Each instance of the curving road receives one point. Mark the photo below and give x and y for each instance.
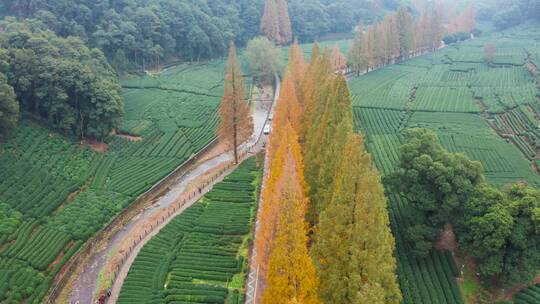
(84, 289)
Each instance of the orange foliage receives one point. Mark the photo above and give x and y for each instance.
(297, 66)
(236, 123)
(287, 146)
(339, 62)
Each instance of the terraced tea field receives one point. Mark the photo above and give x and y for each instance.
(201, 255)
(530, 295)
(488, 112)
(56, 194)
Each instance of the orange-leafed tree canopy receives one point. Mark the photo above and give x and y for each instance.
(236, 124)
(290, 276)
(339, 62)
(297, 66)
(287, 145)
(275, 22)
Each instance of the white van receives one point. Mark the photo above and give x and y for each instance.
(267, 129)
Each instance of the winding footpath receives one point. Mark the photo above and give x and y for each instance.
(85, 288)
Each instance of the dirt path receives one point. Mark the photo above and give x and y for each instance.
(86, 286)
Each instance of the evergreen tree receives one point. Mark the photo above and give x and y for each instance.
(236, 124)
(9, 107)
(434, 202)
(353, 248)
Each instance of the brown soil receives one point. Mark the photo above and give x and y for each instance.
(515, 290)
(218, 149)
(61, 255)
(480, 103)
(130, 137)
(447, 239)
(97, 146)
(532, 69)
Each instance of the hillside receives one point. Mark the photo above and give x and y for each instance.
(397, 161)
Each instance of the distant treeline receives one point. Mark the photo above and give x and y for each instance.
(144, 33)
(508, 13)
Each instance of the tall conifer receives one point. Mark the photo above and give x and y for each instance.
(291, 275)
(353, 248)
(284, 22)
(270, 22)
(236, 124)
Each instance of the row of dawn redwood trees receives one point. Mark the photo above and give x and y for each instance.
(396, 37)
(275, 22)
(324, 234)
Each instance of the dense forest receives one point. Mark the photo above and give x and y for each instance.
(145, 33)
(58, 79)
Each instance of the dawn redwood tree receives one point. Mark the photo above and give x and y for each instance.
(339, 62)
(318, 77)
(406, 33)
(325, 141)
(297, 68)
(356, 56)
(284, 22)
(275, 22)
(236, 124)
(291, 276)
(353, 245)
(289, 109)
(283, 143)
(270, 21)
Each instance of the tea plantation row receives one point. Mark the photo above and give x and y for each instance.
(55, 194)
(490, 112)
(199, 257)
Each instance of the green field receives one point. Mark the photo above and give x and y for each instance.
(55, 193)
(488, 112)
(200, 256)
(530, 295)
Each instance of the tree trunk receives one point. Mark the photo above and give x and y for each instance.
(82, 124)
(235, 140)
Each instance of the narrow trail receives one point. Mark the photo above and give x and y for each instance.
(85, 288)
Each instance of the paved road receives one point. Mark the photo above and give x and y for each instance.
(253, 286)
(85, 287)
